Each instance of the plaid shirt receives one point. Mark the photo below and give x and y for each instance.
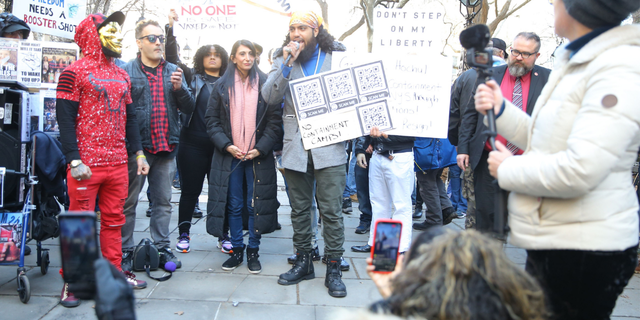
(159, 118)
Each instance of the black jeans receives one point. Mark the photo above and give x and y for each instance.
(194, 161)
(582, 284)
(362, 190)
(485, 194)
(434, 195)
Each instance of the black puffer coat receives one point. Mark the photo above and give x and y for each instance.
(268, 133)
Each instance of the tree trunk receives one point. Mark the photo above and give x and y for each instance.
(324, 8)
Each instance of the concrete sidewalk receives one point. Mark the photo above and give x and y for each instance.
(202, 290)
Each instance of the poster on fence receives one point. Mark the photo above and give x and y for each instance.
(30, 63)
(49, 118)
(56, 56)
(8, 59)
(419, 91)
(55, 17)
(341, 104)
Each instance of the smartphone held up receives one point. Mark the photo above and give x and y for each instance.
(386, 245)
(79, 246)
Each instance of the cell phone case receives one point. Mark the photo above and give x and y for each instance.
(375, 233)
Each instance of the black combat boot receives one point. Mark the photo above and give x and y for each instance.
(333, 280)
(302, 270)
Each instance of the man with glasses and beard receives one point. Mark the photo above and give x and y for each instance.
(310, 47)
(159, 90)
(521, 81)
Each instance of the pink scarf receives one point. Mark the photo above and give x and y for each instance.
(243, 109)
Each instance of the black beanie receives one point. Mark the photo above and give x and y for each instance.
(601, 13)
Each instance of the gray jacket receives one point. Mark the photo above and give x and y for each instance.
(294, 157)
(174, 100)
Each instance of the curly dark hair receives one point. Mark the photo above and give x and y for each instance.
(465, 275)
(324, 39)
(204, 52)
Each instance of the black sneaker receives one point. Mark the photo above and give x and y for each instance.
(252, 260)
(424, 225)
(363, 227)
(235, 259)
(150, 209)
(166, 255)
(127, 260)
(197, 213)
(347, 206)
(417, 213)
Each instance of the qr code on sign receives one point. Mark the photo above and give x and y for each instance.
(340, 85)
(374, 115)
(370, 78)
(308, 94)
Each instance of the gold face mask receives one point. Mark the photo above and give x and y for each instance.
(111, 38)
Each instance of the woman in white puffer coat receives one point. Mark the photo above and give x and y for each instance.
(572, 203)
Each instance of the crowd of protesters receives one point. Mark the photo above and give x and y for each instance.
(566, 141)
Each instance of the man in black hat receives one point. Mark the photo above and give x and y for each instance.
(12, 27)
(499, 48)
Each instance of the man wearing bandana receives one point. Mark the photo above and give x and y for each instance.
(306, 51)
(96, 121)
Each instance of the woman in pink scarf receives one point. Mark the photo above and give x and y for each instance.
(244, 130)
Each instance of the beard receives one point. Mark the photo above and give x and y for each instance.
(308, 51)
(517, 69)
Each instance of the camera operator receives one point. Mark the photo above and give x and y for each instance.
(521, 79)
(572, 203)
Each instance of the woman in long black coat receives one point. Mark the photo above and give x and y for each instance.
(243, 152)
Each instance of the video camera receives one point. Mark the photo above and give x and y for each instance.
(475, 40)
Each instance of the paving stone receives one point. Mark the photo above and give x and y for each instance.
(41, 285)
(325, 313)
(360, 293)
(261, 289)
(85, 310)
(265, 311)
(634, 283)
(628, 304)
(198, 286)
(516, 255)
(13, 308)
(176, 309)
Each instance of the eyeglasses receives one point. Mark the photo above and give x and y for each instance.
(152, 38)
(525, 55)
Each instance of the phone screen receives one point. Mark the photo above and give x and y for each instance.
(386, 243)
(78, 246)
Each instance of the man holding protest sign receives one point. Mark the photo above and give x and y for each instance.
(307, 51)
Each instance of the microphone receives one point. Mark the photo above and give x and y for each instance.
(287, 49)
(476, 36)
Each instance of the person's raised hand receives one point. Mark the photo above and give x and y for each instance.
(176, 79)
(173, 16)
(488, 95)
(383, 280)
(376, 133)
(496, 158)
(293, 48)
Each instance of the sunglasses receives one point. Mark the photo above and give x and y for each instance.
(152, 38)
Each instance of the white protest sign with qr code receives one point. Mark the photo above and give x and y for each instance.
(419, 91)
(341, 104)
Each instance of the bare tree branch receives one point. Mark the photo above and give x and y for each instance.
(402, 4)
(324, 8)
(352, 30)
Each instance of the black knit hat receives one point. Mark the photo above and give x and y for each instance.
(601, 13)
